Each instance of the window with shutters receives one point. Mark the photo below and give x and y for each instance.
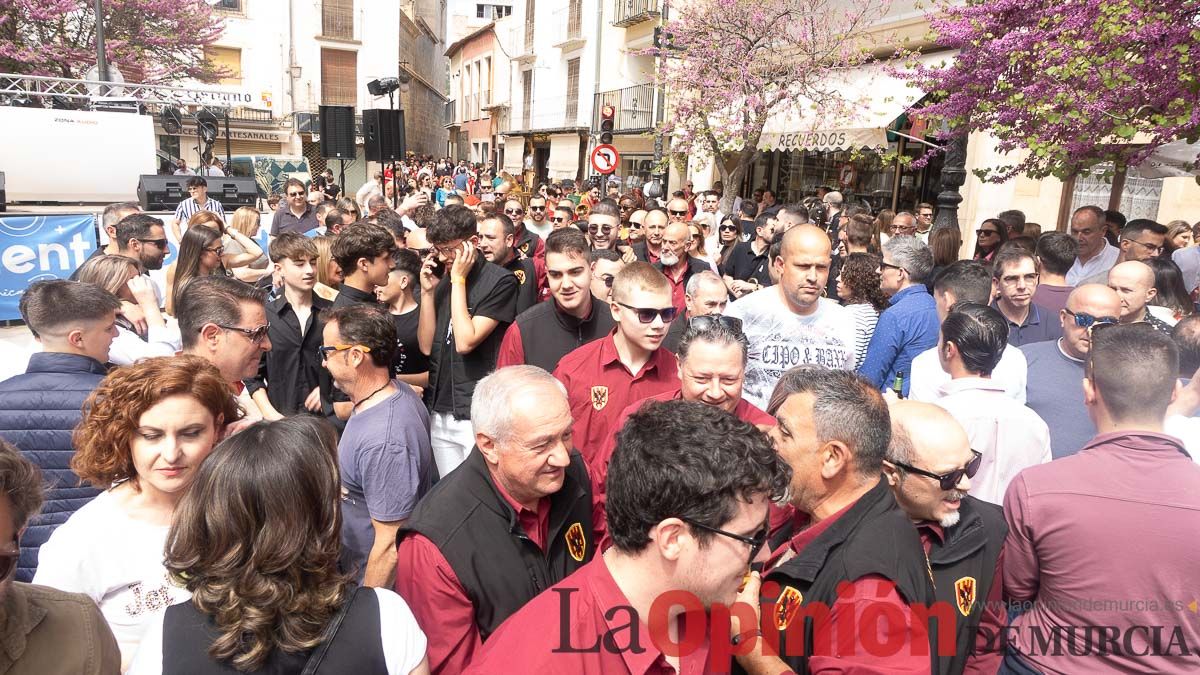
(529, 13)
(228, 59)
(572, 92)
(575, 19)
(526, 98)
(339, 77)
(337, 19)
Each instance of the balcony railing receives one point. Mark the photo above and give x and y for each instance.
(545, 112)
(634, 105)
(337, 19)
(567, 28)
(632, 12)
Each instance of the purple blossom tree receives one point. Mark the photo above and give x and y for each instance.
(156, 41)
(1074, 84)
(731, 63)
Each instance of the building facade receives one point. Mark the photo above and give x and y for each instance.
(479, 92)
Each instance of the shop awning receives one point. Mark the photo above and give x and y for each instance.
(1172, 160)
(564, 157)
(514, 154)
(876, 97)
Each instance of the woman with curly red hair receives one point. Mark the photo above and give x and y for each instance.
(145, 431)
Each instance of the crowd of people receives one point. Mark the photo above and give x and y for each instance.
(469, 428)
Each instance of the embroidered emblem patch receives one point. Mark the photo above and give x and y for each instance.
(964, 594)
(599, 397)
(786, 607)
(520, 275)
(576, 542)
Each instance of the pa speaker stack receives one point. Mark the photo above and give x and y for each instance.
(337, 131)
(383, 135)
(163, 193)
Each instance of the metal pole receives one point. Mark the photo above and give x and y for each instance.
(954, 175)
(228, 144)
(101, 58)
(395, 177)
(660, 104)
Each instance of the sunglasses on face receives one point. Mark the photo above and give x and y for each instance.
(888, 266)
(254, 335)
(160, 243)
(560, 219)
(635, 227)
(706, 321)
(607, 279)
(755, 541)
(594, 228)
(537, 208)
(295, 194)
(324, 351)
(677, 213)
(513, 212)
(728, 228)
(1085, 320)
(948, 481)
(647, 315)
(984, 233)
(218, 250)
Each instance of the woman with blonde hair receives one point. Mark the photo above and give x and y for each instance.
(883, 226)
(256, 542)
(695, 247)
(1179, 235)
(329, 274)
(123, 278)
(246, 221)
(145, 432)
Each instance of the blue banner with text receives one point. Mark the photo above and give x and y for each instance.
(33, 248)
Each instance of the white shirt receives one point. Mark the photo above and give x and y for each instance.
(1100, 264)
(543, 230)
(928, 377)
(1186, 429)
(117, 561)
(1188, 260)
(1010, 436)
(403, 642)
(781, 339)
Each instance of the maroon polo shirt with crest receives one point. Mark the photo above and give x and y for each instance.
(600, 387)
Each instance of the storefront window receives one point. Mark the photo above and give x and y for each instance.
(636, 170)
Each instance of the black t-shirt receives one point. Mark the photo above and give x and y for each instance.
(408, 359)
(744, 264)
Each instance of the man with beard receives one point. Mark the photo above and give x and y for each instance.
(605, 376)
(497, 235)
(929, 465)
(675, 263)
(682, 522)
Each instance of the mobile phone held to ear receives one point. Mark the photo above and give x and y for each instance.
(435, 266)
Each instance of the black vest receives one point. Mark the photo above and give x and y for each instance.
(548, 334)
(873, 537)
(964, 567)
(357, 648)
(477, 531)
(526, 274)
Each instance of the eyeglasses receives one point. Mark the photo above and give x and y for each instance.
(755, 541)
(948, 481)
(1012, 279)
(324, 351)
(295, 194)
(707, 321)
(447, 249)
(1085, 320)
(983, 233)
(646, 315)
(254, 335)
(514, 212)
(161, 243)
(608, 280)
(604, 229)
(888, 265)
(635, 226)
(1152, 248)
(218, 250)
(677, 213)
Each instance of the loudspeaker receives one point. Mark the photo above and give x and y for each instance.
(163, 193)
(337, 132)
(383, 135)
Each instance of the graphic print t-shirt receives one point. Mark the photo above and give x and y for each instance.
(781, 340)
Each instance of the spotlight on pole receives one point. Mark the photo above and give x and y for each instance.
(383, 86)
(171, 120)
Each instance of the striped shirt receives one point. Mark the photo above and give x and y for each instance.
(189, 207)
(865, 318)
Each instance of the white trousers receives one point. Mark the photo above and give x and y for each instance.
(451, 441)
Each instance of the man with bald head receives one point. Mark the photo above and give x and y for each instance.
(929, 466)
(653, 224)
(678, 210)
(675, 263)
(790, 323)
(1133, 282)
(1096, 256)
(1053, 387)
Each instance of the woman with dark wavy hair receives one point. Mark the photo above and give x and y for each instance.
(858, 289)
(256, 542)
(146, 431)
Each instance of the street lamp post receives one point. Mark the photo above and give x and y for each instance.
(954, 175)
(101, 59)
(658, 184)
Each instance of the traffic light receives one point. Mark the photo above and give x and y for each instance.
(607, 112)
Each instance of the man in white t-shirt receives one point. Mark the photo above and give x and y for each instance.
(790, 324)
(1096, 256)
(964, 281)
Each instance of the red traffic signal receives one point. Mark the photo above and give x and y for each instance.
(607, 113)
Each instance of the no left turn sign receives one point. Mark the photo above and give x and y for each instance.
(605, 159)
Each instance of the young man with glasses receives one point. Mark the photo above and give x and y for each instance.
(603, 377)
(1014, 282)
(1010, 435)
(527, 242)
(1056, 367)
(294, 214)
(466, 305)
(224, 321)
(691, 488)
(605, 265)
(930, 466)
(564, 215)
(858, 551)
(571, 318)
(384, 455)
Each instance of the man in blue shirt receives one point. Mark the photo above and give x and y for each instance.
(910, 325)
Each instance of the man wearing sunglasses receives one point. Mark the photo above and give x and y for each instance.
(1010, 435)
(691, 488)
(858, 551)
(1115, 523)
(294, 214)
(58, 632)
(529, 244)
(570, 319)
(538, 220)
(564, 215)
(930, 466)
(603, 377)
(1056, 367)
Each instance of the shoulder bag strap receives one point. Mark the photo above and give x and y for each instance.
(318, 655)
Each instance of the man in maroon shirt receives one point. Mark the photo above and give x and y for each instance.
(686, 527)
(859, 552)
(1102, 544)
(514, 518)
(605, 376)
(676, 264)
(963, 536)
